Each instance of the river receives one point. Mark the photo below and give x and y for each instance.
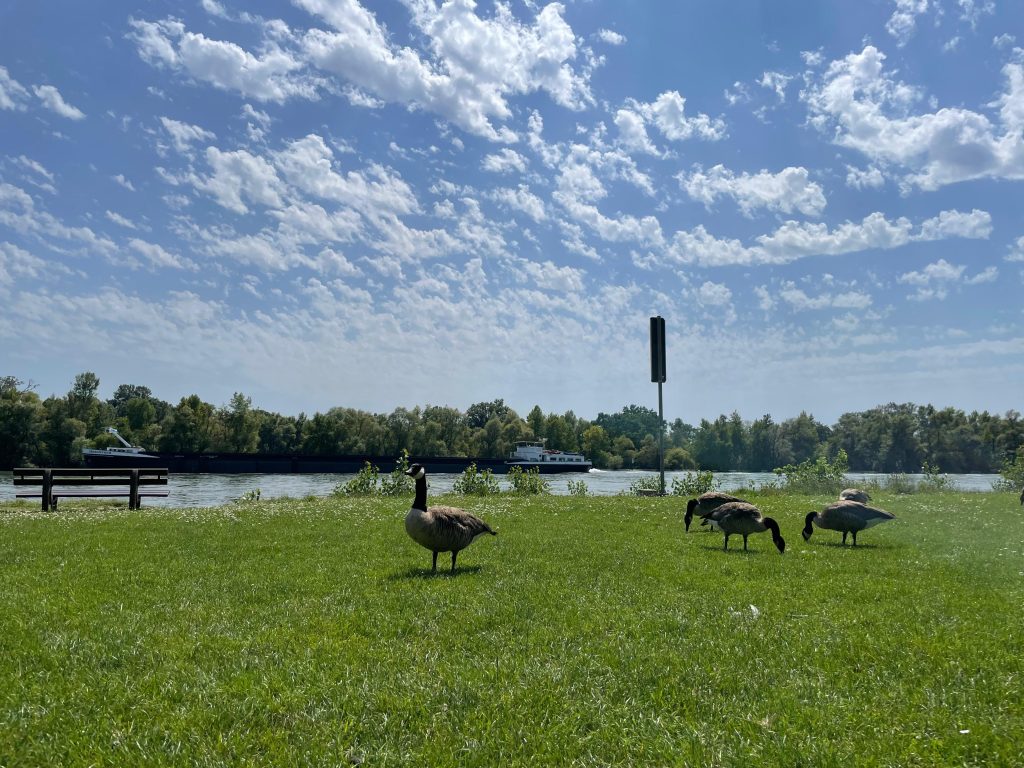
(210, 490)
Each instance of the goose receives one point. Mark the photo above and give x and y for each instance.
(846, 516)
(855, 494)
(440, 529)
(745, 519)
(705, 504)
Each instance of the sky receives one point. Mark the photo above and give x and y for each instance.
(374, 205)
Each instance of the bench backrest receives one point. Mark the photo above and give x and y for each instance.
(79, 476)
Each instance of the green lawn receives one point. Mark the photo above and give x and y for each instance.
(589, 632)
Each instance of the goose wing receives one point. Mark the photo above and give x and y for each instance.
(855, 494)
(854, 514)
(459, 521)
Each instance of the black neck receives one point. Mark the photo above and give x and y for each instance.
(420, 502)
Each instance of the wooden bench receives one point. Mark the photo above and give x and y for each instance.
(51, 484)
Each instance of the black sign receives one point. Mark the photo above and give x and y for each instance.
(658, 349)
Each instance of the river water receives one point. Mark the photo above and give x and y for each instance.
(210, 490)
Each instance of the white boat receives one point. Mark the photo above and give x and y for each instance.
(532, 453)
(124, 455)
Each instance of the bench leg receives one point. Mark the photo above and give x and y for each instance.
(47, 489)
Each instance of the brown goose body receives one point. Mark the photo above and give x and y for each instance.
(855, 494)
(845, 516)
(440, 529)
(744, 519)
(705, 504)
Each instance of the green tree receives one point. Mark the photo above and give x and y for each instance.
(21, 422)
(241, 425)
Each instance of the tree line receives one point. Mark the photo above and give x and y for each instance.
(888, 438)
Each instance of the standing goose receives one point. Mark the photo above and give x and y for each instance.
(705, 504)
(855, 494)
(846, 516)
(745, 519)
(440, 529)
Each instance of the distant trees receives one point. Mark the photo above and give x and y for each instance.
(887, 438)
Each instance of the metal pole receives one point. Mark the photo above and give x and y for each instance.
(661, 440)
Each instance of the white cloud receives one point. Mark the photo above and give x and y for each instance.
(1003, 41)
(521, 199)
(157, 256)
(787, 191)
(13, 94)
(1016, 250)
(777, 82)
(53, 101)
(865, 178)
(237, 175)
(275, 75)
(974, 9)
(474, 64)
(668, 114)
(903, 20)
(796, 240)
(122, 181)
(936, 279)
(120, 220)
(800, 301)
(183, 134)
(611, 37)
(632, 133)
(505, 161)
(868, 111)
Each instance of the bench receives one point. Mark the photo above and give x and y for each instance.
(51, 484)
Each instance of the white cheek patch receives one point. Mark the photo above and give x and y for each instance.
(421, 474)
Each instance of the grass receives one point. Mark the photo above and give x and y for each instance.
(591, 631)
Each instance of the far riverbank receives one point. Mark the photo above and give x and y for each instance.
(210, 490)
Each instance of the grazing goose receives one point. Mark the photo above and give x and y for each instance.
(440, 529)
(846, 516)
(705, 504)
(855, 494)
(745, 519)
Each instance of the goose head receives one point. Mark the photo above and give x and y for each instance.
(416, 472)
(690, 506)
(773, 526)
(808, 528)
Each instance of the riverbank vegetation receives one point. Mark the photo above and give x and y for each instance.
(904, 437)
(591, 631)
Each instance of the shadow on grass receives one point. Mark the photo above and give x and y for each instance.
(733, 550)
(426, 573)
(840, 545)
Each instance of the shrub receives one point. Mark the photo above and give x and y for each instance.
(363, 484)
(819, 476)
(1012, 473)
(577, 488)
(398, 483)
(898, 482)
(645, 486)
(694, 483)
(473, 482)
(934, 480)
(527, 482)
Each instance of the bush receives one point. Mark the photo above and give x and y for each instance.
(577, 488)
(1012, 474)
(934, 480)
(398, 483)
(694, 483)
(363, 484)
(645, 486)
(819, 476)
(473, 482)
(898, 482)
(528, 482)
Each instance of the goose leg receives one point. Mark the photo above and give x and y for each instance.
(855, 538)
(454, 555)
(726, 547)
(844, 537)
(744, 542)
(433, 568)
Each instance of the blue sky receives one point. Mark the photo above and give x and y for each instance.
(322, 202)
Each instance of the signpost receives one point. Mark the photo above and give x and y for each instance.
(658, 375)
